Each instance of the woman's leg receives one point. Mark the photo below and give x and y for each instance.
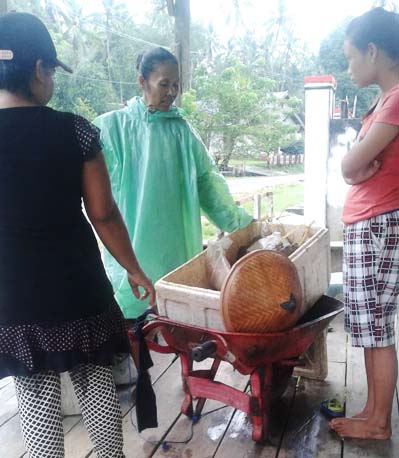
(385, 369)
(39, 401)
(378, 424)
(372, 278)
(95, 389)
(368, 408)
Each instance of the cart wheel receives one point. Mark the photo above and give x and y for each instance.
(280, 379)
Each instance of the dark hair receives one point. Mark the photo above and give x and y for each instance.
(377, 26)
(147, 61)
(16, 77)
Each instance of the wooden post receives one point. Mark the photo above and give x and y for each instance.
(269, 200)
(257, 213)
(3, 6)
(180, 9)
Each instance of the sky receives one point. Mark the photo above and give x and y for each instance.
(313, 19)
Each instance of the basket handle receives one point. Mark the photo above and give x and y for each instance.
(289, 306)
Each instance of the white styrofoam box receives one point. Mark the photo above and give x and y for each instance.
(185, 294)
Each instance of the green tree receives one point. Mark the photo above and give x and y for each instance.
(234, 97)
(238, 112)
(66, 17)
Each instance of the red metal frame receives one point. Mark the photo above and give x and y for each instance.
(266, 358)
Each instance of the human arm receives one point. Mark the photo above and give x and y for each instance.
(106, 219)
(364, 174)
(361, 162)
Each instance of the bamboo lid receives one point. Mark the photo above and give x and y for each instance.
(261, 294)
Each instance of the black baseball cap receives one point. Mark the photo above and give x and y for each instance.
(24, 38)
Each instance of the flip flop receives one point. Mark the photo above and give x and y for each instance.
(332, 408)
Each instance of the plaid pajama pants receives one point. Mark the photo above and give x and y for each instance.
(370, 277)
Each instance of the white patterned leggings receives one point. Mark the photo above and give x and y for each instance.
(39, 400)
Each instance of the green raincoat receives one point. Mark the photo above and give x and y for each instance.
(161, 176)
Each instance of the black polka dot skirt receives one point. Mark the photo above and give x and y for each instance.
(31, 348)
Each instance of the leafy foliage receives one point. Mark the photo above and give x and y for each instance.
(242, 95)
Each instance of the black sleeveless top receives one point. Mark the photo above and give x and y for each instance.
(56, 302)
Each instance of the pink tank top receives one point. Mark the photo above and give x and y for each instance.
(379, 194)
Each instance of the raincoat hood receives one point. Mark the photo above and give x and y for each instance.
(138, 108)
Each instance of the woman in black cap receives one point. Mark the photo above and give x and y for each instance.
(57, 311)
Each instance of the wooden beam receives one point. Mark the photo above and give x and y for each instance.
(181, 12)
(3, 6)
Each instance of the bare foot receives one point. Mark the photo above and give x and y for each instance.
(362, 415)
(360, 429)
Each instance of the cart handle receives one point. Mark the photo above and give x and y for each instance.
(151, 344)
(204, 350)
(222, 345)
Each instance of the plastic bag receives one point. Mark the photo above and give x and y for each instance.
(217, 263)
(271, 242)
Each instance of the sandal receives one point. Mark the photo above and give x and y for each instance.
(332, 408)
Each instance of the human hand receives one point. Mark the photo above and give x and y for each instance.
(137, 279)
(373, 168)
(366, 173)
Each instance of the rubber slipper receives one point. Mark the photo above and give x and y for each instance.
(332, 407)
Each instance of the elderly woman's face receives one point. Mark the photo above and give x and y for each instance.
(161, 87)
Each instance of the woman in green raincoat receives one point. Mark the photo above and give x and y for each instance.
(162, 176)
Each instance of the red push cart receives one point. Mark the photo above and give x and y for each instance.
(268, 359)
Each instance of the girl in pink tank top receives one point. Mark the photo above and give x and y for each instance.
(371, 217)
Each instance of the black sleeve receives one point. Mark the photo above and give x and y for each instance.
(88, 137)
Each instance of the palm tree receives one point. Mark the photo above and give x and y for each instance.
(280, 43)
(69, 19)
